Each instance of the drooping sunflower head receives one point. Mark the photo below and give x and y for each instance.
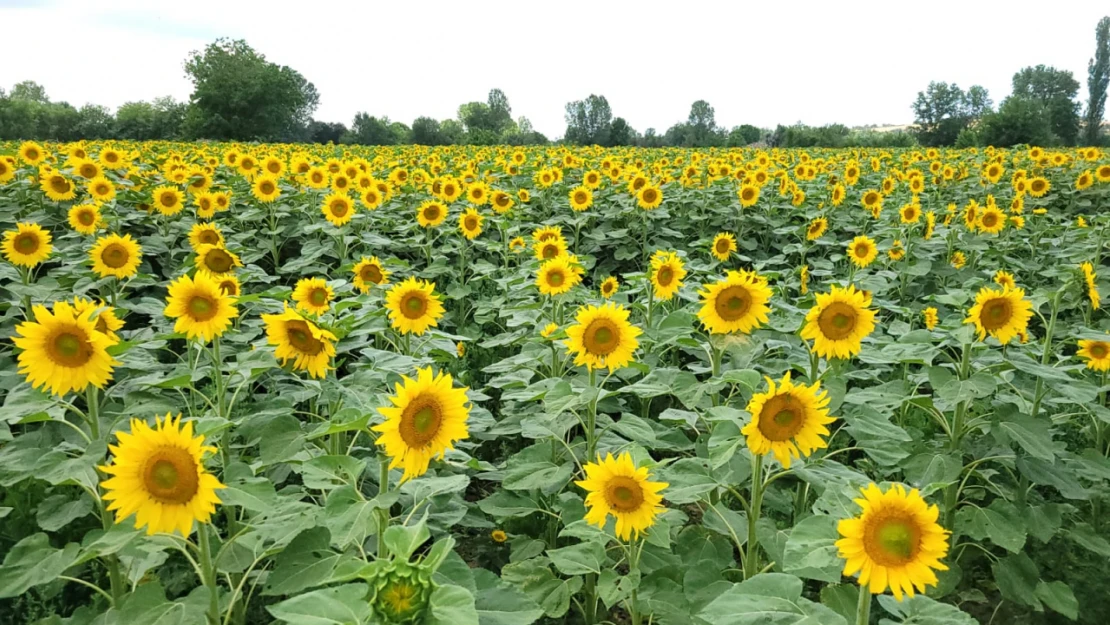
(428, 416)
(896, 541)
(788, 420)
(602, 337)
(1096, 354)
(667, 272)
(470, 223)
(158, 475)
(738, 303)
(608, 287)
(313, 295)
(115, 255)
(615, 486)
(369, 272)
(431, 214)
(1000, 313)
(724, 245)
(413, 306)
(229, 285)
(817, 228)
(216, 260)
(27, 245)
(62, 350)
(862, 251)
(838, 322)
(338, 208)
(199, 307)
(205, 234)
(557, 276)
(301, 341)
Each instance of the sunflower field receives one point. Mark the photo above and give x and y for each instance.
(305, 384)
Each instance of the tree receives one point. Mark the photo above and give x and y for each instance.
(1019, 120)
(452, 132)
(369, 130)
(1055, 89)
(29, 91)
(144, 121)
(325, 132)
(589, 121)
(745, 134)
(620, 133)
(943, 110)
(425, 131)
(239, 95)
(701, 126)
(95, 122)
(1098, 80)
(487, 121)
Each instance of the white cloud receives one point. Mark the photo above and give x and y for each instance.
(818, 62)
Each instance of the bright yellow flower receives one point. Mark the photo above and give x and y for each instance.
(618, 487)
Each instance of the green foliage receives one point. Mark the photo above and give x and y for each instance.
(1019, 120)
(589, 121)
(944, 109)
(1098, 81)
(742, 135)
(1055, 90)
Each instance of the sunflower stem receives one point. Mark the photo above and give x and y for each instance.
(751, 561)
(1046, 352)
(863, 606)
(383, 513)
(93, 400)
(115, 578)
(591, 416)
(715, 361)
(208, 569)
(25, 274)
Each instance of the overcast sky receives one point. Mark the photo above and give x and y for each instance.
(853, 62)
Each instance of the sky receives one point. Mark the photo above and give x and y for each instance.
(850, 62)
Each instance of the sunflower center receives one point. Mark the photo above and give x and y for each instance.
(550, 251)
(318, 297)
(414, 305)
(209, 237)
(300, 337)
(339, 208)
(32, 154)
(70, 348)
(370, 273)
(892, 541)
(580, 197)
(624, 494)
(115, 256)
(420, 422)
(27, 243)
(471, 223)
(665, 276)
(556, 278)
(837, 321)
(431, 213)
(996, 313)
(85, 218)
(266, 187)
(217, 261)
(870, 198)
(170, 475)
(862, 250)
(722, 246)
(748, 194)
(781, 418)
(733, 303)
(168, 199)
(601, 337)
(399, 598)
(202, 307)
(1099, 350)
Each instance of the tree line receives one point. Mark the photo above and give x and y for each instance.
(238, 95)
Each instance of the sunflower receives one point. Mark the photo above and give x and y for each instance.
(1004, 279)
(317, 178)
(300, 340)
(748, 194)
(838, 322)
(103, 316)
(478, 193)
(501, 202)
(101, 189)
(609, 287)
(428, 417)
(168, 200)
(368, 272)
(649, 197)
(7, 170)
(895, 541)
(338, 208)
(557, 276)
(930, 316)
(273, 166)
(200, 308)
(549, 330)
(1096, 354)
(1002, 314)
(862, 251)
(313, 295)
(431, 214)
(546, 233)
(517, 245)
(58, 188)
(62, 350)
(838, 194)
(524, 196)
(738, 303)
(113, 255)
(930, 224)
(872, 200)
(910, 213)
(1038, 186)
(803, 279)
(788, 421)
(816, 228)
(896, 251)
(216, 260)
(550, 248)
(229, 285)
(667, 272)
(602, 337)
(31, 153)
(724, 245)
(27, 245)
(1091, 278)
(617, 487)
(413, 306)
(205, 234)
(266, 189)
(958, 259)
(498, 536)
(223, 200)
(991, 220)
(158, 475)
(1085, 180)
(470, 223)
(1103, 173)
(581, 198)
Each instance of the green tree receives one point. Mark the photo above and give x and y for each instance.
(239, 95)
(588, 121)
(29, 91)
(620, 133)
(425, 131)
(325, 132)
(486, 122)
(1098, 80)
(1019, 120)
(1055, 89)
(701, 126)
(369, 130)
(943, 110)
(742, 135)
(95, 122)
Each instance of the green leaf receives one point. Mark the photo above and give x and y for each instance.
(842, 599)
(1017, 577)
(1033, 436)
(810, 552)
(536, 580)
(504, 504)
(532, 468)
(32, 561)
(1086, 536)
(498, 603)
(1059, 597)
(581, 559)
(1001, 523)
(688, 480)
(764, 599)
(148, 605)
(341, 605)
(57, 511)
(452, 605)
(404, 540)
(305, 562)
(922, 610)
